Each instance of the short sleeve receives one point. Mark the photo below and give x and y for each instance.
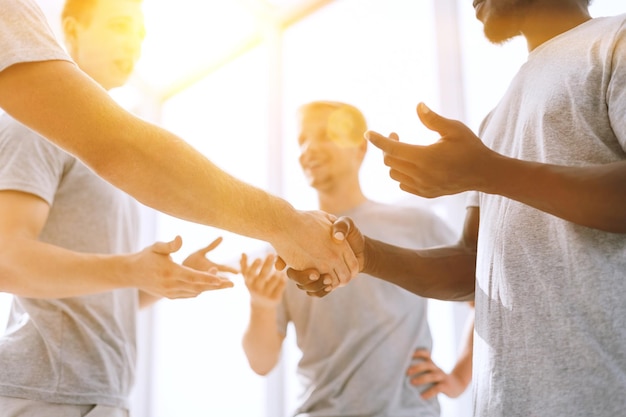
(25, 35)
(28, 163)
(616, 95)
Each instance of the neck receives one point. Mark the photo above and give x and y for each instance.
(341, 199)
(547, 21)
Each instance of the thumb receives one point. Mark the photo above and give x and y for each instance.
(280, 263)
(166, 248)
(432, 120)
(341, 228)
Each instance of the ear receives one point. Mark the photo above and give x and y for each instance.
(363, 147)
(362, 150)
(70, 32)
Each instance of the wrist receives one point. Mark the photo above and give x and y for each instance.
(369, 256)
(283, 219)
(263, 305)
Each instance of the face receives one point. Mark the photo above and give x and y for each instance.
(326, 161)
(108, 45)
(501, 18)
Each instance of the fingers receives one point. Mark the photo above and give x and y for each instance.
(392, 147)
(191, 283)
(422, 354)
(210, 246)
(167, 248)
(310, 281)
(227, 268)
(280, 263)
(431, 392)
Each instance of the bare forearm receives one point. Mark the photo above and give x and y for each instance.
(463, 368)
(443, 273)
(588, 196)
(150, 163)
(261, 341)
(38, 270)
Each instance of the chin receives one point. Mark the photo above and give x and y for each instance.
(499, 33)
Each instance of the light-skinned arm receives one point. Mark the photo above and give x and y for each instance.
(57, 100)
(262, 341)
(36, 269)
(451, 384)
(459, 161)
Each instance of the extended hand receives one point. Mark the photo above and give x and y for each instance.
(199, 261)
(457, 162)
(265, 284)
(154, 272)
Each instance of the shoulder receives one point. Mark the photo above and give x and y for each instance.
(25, 35)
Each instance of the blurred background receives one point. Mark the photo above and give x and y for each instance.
(228, 76)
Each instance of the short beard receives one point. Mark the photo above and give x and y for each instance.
(500, 32)
(503, 23)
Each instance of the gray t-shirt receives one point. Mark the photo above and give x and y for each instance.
(78, 350)
(550, 296)
(357, 342)
(25, 35)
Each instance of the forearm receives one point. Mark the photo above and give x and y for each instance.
(261, 341)
(589, 196)
(462, 370)
(34, 269)
(155, 166)
(446, 273)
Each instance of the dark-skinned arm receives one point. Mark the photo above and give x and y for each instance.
(445, 273)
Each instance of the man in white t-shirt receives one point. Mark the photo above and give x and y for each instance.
(546, 263)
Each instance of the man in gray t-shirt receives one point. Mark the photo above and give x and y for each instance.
(544, 245)
(365, 348)
(69, 346)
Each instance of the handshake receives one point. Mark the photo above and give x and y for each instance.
(320, 284)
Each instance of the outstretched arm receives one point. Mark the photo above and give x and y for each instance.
(32, 268)
(60, 102)
(459, 162)
(262, 341)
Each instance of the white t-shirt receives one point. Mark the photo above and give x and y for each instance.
(74, 350)
(25, 35)
(550, 294)
(358, 342)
